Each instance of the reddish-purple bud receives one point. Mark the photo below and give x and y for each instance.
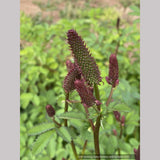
(137, 153)
(135, 150)
(118, 23)
(50, 110)
(83, 58)
(114, 132)
(122, 120)
(117, 115)
(85, 93)
(98, 103)
(72, 75)
(112, 79)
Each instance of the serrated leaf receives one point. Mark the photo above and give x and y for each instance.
(72, 115)
(64, 133)
(41, 142)
(41, 128)
(25, 98)
(120, 107)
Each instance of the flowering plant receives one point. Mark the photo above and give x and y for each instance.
(84, 78)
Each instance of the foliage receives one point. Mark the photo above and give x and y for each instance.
(42, 57)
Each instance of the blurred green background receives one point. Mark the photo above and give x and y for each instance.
(43, 52)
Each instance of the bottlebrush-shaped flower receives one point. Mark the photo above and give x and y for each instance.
(123, 120)
(117, 115)
(85, 93)
(83, 58)
(72, 75)
(50, 110)
(114, 132)
(113, 71)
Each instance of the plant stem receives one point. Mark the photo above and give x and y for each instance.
(84, 147)
(97, 94)
(96, 137)
(116, 50)
(121, 131)
(73, 101)
(65, 124)
(59, 125)
(110, 96)
(66, 108)
(97, 126)
(74, 150)
(120, 136)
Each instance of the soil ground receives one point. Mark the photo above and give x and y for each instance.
(31, 7)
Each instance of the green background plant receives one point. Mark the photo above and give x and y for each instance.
(43, 54)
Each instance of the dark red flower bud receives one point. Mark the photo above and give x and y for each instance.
(50, 110)
(122, 120)
(114, 132)
(68, 83)
(118, 23)
(98, 103)
(117, 115)
(85, 93)
(137, 153)
(135, 150)
(83, 58)
(113, 71)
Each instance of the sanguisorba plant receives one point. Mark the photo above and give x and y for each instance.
(84, 77)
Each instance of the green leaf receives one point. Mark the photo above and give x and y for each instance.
(64, 133)
(50, 97)
(86, 134)
(41, 129)
(25, 98)
(125, 146)
(130, 129)
(136, 11)
(36, 100)
(72, 115)
(51, 148)
(134, 142)
(41, 142)
(110, 119)
(119, 107)
(113, 141)
(61, 153)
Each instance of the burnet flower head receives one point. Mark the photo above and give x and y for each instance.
(83, 73)
(83, 58)
(112, 79)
